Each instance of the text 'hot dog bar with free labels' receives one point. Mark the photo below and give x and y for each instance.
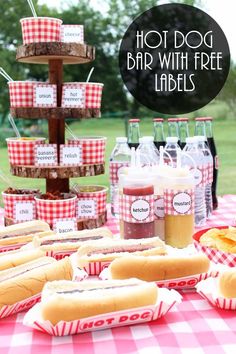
(85, 280)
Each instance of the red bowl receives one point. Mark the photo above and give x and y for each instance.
(213, 254)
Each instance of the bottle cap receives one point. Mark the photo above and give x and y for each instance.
(134, 120)
(158, 120)
(172, 119)
(200, 138)
(172, 139)
(183, 119)
(208, 118)
(121, 139)
(146, 139)
(200, 119)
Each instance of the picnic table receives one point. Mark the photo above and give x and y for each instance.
(194, 327)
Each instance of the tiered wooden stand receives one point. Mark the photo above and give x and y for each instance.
(55, 54)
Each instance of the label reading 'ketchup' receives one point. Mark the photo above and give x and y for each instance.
(137, 209)
(140, 209)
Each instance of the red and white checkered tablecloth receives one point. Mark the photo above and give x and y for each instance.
(194, 327)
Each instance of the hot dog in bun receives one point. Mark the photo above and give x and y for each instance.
(227, 283)
(157, 268)
(71, 241)
(68, 301)
(24, 232)
(109, 250)
(28, 279)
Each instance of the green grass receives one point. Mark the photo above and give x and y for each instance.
(224, 132)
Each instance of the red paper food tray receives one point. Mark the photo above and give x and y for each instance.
(213, 254)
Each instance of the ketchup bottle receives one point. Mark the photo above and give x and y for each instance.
(138, 207)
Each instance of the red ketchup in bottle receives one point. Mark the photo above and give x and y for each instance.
(139, 211)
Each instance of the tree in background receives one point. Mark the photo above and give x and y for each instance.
(227, 94)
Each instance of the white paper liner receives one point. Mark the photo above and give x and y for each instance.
(166, 300)
(179, 283)
(23, 305)
(208, 289)
(78, 274)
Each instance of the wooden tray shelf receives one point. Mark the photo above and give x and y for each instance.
(55, 113)
(69, 53)
(57, 172)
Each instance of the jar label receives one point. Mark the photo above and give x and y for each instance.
(179, 202)
(159, 207)
(116, 169)
(137, 209)
(24, 211)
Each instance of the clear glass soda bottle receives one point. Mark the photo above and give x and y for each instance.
(158, 130)
(200, 126)
(173, 128)
(120, 158)
(133, 133)
(183, 131)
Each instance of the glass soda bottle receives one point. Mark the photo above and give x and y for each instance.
(173, 128)
(120, 158)
(212, 146)
(208, 163)
(183, 131)
(133, 133)
(200, 126)
(158, 130)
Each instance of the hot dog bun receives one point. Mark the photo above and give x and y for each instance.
(227, 283)
(108, 250)
(71, 241)
(156, 268)
(18, 258)
(68, 301)
(24, 232)
(24, 281)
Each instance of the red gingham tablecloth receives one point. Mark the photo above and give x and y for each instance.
(195, 327)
